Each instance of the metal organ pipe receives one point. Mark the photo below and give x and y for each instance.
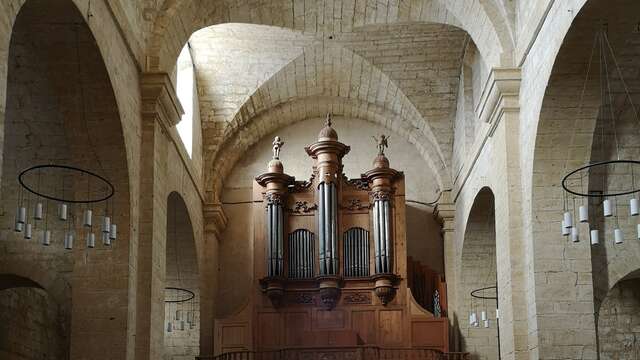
(382, 236)
(275, 228)
(387, 236)
(320, 227)
(327, 228)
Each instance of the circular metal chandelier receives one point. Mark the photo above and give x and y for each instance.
(181, 308)
(34, 213)
(576, 199)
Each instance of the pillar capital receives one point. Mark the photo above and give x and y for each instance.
(445, 211)
(159, 100)
(215, 220)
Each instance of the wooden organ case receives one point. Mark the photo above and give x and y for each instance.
(330, 261)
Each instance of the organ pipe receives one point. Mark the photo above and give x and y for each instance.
(327, 228)
(301, 254)
(382, 236)
(275, 230)
(356, 250)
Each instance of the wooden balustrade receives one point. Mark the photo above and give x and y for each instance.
(350, 353)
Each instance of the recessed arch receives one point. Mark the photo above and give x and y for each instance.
(38, 301)
(359, 84)
(307, 108)
(61, 108)
(182, 319)
(565, 138)
(479, 271)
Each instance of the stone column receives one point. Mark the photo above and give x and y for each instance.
(215, 221)
(160, 111)
(501, 110)
(444, 213)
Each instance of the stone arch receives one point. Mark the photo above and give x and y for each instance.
(617, 317)
(54, 61)
(180, 19)
(479, 270)
(564, 140)
(33, 275)
(360, 83)
(182, 271)
(36, 301)
(306, 108)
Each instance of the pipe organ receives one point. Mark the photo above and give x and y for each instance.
(330, 261)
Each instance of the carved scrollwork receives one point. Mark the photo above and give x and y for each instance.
(358, 298)
(355, 205)
(302, 298)
(360, 184)
(380, 195)
(274, 199)
(302, 207)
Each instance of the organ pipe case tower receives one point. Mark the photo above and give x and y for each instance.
(330, 261)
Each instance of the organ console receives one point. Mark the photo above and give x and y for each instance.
(330, 261)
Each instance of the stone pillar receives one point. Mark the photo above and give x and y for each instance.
(501, 111)
(444, 213)
(215, 221)
(160, 111)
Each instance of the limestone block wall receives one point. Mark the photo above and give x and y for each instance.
(423, 234)
(32, 326)
(619, 322)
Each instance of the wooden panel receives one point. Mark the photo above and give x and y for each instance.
(329, 319)
(391, 326)
(234, 337)
(297, 323)
(430, 333)
(269, 330)
(364, 323)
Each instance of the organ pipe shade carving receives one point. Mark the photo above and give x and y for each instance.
(275, 227)
(327, 228)
(356, 252)
(382, 236)
(301, 254)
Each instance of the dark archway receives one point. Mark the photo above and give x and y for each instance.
(33, 325)
(182, 320)
(478, 271)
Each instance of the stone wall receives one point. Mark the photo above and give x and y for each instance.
(31, 325)
(619, 322)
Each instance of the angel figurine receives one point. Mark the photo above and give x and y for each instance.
(382, 143)
(277, 145)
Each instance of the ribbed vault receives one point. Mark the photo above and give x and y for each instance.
(480, 18)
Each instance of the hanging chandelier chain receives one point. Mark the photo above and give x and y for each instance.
(610, 96)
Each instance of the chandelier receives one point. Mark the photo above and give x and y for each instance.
(611, 195)
(35, 214)
(180, 303)
(483, 294)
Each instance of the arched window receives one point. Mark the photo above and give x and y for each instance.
(185, 89)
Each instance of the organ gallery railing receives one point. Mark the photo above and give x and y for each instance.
(353, 353)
